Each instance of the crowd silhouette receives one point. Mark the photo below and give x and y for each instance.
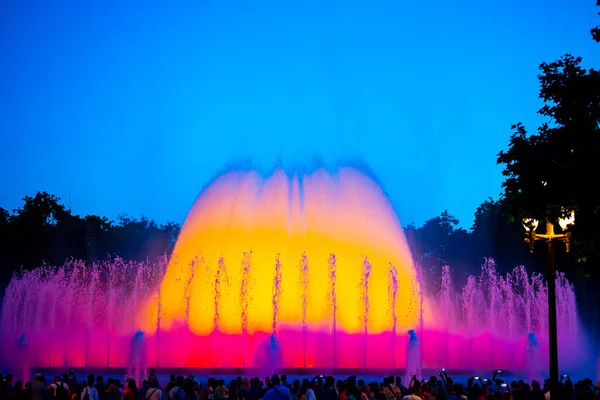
(276, 387)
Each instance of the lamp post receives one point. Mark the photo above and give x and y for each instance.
(550, 237)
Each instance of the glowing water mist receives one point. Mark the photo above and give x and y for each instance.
(291, 250)
(307, 270)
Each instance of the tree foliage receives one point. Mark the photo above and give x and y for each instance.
(552, 172)
(43, 230)
(596, 31)
(440, 241)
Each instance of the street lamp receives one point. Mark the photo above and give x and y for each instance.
(550, 237)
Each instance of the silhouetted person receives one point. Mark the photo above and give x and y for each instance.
(328, 391)
(154, 392)
(58, 389)
(90, 392)
(255, 391)
(38, 389)
(277, 390)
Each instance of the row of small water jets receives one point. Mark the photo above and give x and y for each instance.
(76, 294)
(50, 300)
(100, 294)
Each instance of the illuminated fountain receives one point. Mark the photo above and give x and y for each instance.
(307, 270)
(304, 258)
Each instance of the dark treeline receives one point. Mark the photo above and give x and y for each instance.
(440, 241)
(44, 230)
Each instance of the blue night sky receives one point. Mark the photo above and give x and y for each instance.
(133, 109)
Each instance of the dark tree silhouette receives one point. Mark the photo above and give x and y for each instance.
(596, 31)
(553, 171)
(43, 230)
(440, 242)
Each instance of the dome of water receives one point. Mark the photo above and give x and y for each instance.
(287, 270)
(300, 256)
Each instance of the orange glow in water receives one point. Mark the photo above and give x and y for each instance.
(209, 288)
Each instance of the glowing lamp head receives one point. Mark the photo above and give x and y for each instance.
(530, 224)
(568, 220)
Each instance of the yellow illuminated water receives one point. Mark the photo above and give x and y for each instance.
(345, 214)
(318, 214)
